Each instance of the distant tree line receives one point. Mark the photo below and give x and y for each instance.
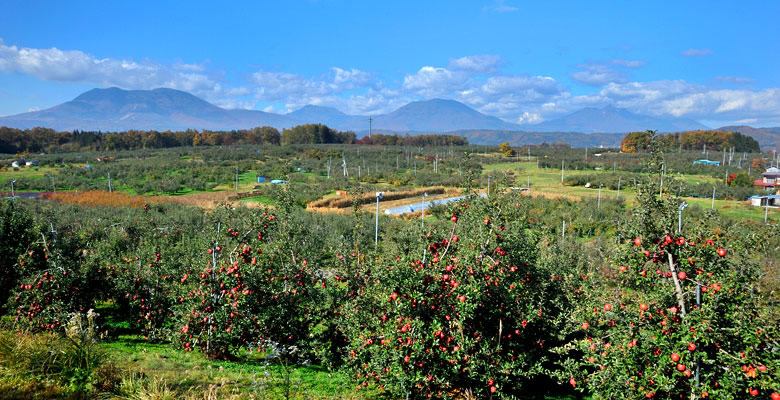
(417, 140)
(637, 142)
(36, 140)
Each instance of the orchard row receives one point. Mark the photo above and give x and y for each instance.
(488, 300)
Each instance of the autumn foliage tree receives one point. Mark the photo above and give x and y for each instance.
(636, 142)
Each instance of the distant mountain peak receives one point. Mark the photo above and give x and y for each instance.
(612, 119)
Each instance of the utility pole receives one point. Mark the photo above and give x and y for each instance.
(370, 120)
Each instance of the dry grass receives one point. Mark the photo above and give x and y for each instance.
(99, 198)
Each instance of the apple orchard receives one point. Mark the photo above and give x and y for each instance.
(490, 300)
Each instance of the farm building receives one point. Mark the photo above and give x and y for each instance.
(773, 200)
(706, 162)
(769, 179)
(261, 179)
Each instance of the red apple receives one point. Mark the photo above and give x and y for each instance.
(675, 357)
(691, 346)
(721, 252)
(682, 275)
(637, 242)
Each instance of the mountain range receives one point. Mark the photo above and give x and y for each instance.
(115, 109)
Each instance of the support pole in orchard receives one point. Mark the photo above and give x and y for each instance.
(712, 206)
(12, 188)
(563, 231)
(766, 210)
(562, 171)
(488, 191)
(376, 228)
(422, 216)
(618, 191)
(679, 217)
(599, 201)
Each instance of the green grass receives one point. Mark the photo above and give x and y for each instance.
(27, 172)
(549, 181)
(259, 199)
(254, 376)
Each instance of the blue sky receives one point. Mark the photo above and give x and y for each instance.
(523, 61)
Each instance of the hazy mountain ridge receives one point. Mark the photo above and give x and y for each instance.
(115, 109)
(768, 138)
(611, 119)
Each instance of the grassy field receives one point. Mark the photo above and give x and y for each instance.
(157, 368)
(548, 183)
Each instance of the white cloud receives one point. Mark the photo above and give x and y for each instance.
(282, 86)
(432, 82)
(76, 66)
(733, 79)
(484, 64)
(500, 6)
(189, 67)
(696, 52)
(473, 80)
(602, 73)
(628, 63)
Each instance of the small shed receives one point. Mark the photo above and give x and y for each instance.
(772, 200)
(261, 179)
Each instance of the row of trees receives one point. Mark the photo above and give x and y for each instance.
(36, 140)
(637, 142)
(417, 140)
(486, 301)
